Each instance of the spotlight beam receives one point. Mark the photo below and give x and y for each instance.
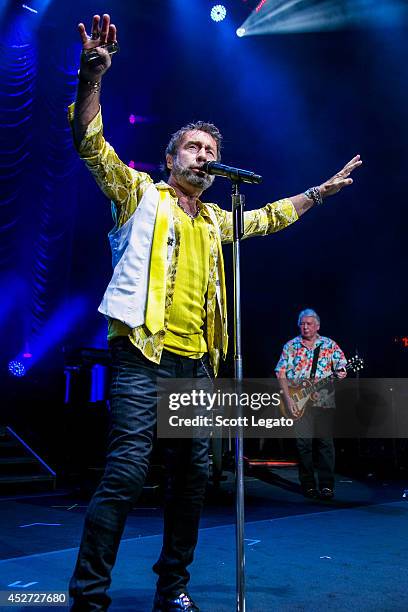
(289, 11)
(320, 15)
(327, 16)
(270, 14)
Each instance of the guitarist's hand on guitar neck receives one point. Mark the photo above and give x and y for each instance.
(342, 373)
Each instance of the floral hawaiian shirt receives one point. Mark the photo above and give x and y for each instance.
(296, 363)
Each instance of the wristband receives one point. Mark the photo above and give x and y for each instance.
(314, 194)
(94, 85)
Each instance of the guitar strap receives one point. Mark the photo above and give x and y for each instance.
(315, 360)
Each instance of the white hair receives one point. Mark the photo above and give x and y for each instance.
(308, 312)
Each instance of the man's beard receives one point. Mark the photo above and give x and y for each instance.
(203, 182)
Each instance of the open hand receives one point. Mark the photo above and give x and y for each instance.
(341, 179)
(101, 34)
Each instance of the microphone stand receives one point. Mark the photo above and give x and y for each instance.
(238, 203)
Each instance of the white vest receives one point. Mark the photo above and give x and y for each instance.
(125, 298)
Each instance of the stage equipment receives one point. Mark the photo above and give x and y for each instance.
(92, 54)
(290, 16)
(87, 376)
(17, 368)
(218, 12)
(237, 202)
(301, 392)
(234, 174)
(21, 468)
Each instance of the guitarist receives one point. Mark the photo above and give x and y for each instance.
(312, 356)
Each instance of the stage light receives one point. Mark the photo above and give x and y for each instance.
(20, 365)
(16, 368)
(260, 5)
(28, 8)
(27, 354)
(139, 119)
(143, 166)
(218, 12)
(240, 32)
(289, 16)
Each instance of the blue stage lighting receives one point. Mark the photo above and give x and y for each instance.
(16, 368)
(240, 32)
(218, 12)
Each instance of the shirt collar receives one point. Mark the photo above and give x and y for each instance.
(319, 342)
(201, 205)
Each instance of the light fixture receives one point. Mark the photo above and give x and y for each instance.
(218, 12)
(16, 368)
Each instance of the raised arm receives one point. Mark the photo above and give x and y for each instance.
(91, 73)
(124, 186)
(316, 195)
(275, 217)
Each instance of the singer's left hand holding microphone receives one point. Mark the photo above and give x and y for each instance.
(102, 33)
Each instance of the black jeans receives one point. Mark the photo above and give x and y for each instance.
(313, 430)
(133, 419)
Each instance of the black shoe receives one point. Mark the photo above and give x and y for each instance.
(311, 493)
(176, 603)
(326, 493)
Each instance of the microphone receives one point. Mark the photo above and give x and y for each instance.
(91, 54)
(234, 174)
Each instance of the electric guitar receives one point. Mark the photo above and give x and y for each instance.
(300, 393)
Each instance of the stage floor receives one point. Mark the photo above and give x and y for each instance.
(301, 555)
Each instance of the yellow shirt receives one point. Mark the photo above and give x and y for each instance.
(185, 330)
(125, 187)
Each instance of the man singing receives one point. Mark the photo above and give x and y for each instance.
(167, 317)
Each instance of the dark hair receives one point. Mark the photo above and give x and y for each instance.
(202, 126)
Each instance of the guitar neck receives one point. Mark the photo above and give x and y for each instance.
(323, 381)
(320, 383)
